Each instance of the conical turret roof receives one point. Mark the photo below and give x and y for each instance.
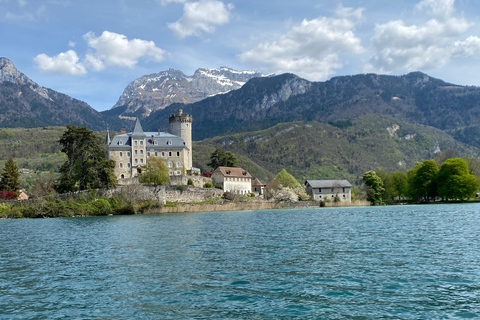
(138, 131)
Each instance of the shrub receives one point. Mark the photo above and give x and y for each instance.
(181, 188)
(190, 182)
(101, 207)
(8, 195)
(208, 184)
(228, 196)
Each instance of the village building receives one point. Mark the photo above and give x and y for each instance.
(131, 150)
(257, 187)
(231, 179)
(329, 190)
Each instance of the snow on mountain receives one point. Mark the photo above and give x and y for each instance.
(156, 91)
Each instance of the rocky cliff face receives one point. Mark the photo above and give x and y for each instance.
(9, 73)
(24, 103)
(156, 91)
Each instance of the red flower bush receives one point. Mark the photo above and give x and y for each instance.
(8, 195)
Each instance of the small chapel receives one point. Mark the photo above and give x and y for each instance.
(131, 150)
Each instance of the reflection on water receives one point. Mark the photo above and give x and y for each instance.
(404, 262)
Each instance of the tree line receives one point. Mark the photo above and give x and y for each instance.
(425, 182)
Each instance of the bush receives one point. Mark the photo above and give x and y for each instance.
(8, 195)
(228, 196)
(181, 188)
(100, 207)
(190, 182)
(208, 184)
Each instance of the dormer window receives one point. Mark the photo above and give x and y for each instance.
(228, 172)
(169, 142)
(120, 143)
(155, 143)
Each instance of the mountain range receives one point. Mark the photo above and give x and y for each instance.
(336, 128)
(158, 90)
(24, 103)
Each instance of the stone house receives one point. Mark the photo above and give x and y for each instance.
(329, 190)
(231, 179)
(131, 150)
(257, 187)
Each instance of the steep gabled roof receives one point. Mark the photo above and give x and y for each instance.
(232, 172)
(257, 183)
(138, 131)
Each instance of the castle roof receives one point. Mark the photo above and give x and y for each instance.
(232, 172)
(137, 130)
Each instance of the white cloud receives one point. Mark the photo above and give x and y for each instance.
(71, 44)
(310, 49)
(165, 2)
(63, 63)
(199, 17)
(109, 49)
(401, 47)
(113, 49)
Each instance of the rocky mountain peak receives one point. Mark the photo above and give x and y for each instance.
(9, 73)
(158, 90)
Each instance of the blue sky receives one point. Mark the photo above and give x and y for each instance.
(91, 49)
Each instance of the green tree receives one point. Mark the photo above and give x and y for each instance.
(222, 158)
(374, 187)
(422, 182)
(10, 177)
(454, 180)
(399, 180)
(86, 166)
(154, 172)
(286, 179)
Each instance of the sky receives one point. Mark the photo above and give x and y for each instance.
(92, 49)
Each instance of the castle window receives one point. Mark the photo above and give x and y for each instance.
(121, 154)
(121, 165)
(135, 142)
(170, 173)
(141, 142)
(156, 143)
(169, 142)
(141, 152)
(178, 164)
(343, 190)
(319, 189)
(178, 153)
(170, 164)
(136, 151)
(128, 154)
(128, 165)
(178, 172)
(141, 160)
(170, 153)
(136, 160)
(156, 154)
(122, 176)
(120, 142)
(148, 153)
(163, 154)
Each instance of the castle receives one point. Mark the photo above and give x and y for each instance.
(131, 150)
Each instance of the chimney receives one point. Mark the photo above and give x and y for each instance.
(159, 132)
(152, 139)
(123, 131)
(166, 130)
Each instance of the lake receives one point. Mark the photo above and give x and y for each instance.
(396, 262)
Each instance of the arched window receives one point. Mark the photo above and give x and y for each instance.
(121, 165)
(178, 164)
(122, 176)
(121, 154)
(170, 164)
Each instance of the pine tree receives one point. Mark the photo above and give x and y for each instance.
(10, 177)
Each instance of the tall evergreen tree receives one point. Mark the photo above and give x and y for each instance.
(86, 166)
(10, 177)
(222, 158)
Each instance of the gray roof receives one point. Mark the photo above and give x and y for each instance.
(137, 130)
(328, 183)
(163, 140)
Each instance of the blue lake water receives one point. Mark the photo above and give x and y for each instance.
(402, 262)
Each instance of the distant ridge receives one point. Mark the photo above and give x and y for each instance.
(24, 103)
(158, 90)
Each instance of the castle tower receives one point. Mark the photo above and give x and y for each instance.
(181, 125)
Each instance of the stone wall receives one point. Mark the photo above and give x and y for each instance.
(191, 194)
(198, 181)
